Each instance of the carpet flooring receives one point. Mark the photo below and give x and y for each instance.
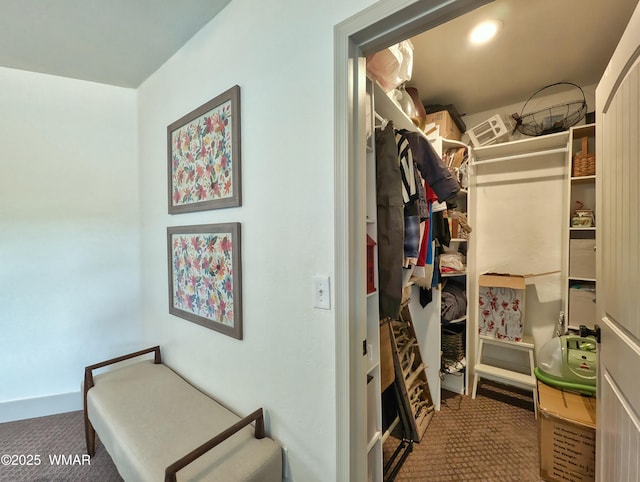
(492, 438)
(51, 438)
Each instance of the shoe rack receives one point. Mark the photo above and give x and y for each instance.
(411, 378)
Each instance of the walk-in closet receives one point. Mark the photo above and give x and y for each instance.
(480, 243)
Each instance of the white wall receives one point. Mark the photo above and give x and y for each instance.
(281, 55)
(69, 236)
(518, 228)
(537, 103)
(519, 224)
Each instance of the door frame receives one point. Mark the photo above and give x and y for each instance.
(383, 24)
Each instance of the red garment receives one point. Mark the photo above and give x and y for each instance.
(426, 241)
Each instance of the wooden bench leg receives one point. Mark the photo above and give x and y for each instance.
(89, 431)
(90, 435)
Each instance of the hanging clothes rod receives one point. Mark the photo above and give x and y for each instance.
(526, 155)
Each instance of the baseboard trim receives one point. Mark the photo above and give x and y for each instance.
(40, 406)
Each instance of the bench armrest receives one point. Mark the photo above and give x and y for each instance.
(88, 371)
(257, 416)
(88, 383)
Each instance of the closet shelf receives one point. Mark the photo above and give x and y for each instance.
(579, 179)
(551, 144)
(389, 110)
(577, 278)
(524, 155)
(457, 320)
(372, 367)
(448, 143)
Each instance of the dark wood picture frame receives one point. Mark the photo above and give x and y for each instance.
(205, 275)
(204, 158)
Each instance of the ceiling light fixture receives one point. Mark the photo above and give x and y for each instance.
(483, 32)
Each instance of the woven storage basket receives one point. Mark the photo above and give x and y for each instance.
(584, 163)
(452, 344)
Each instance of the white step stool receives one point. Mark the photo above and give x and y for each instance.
(502, 375)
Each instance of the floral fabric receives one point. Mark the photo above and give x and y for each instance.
(201, 158)
(203, 275)
(501, 313)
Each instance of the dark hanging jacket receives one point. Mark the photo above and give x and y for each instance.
(433, 170)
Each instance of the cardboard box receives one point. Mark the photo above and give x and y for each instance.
(582, 306)
(582, 258)
(501, 304)
(566, 434)
(448, 127)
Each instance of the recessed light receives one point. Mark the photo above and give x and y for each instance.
(483, 32)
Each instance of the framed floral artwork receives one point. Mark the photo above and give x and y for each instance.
(203, 156)
(205, 276)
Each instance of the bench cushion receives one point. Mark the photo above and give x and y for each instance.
(147, 417)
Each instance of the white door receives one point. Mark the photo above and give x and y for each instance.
(618, 234)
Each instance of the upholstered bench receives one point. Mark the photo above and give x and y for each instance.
(156, 427)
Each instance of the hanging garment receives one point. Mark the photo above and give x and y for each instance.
(390, 214)
(411, 239)
(423, 203)
(433, 170)
(407, 170)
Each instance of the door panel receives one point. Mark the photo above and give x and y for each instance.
(619, 431)
(618, 269)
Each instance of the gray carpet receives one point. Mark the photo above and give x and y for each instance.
(492, 438)
(50, 438)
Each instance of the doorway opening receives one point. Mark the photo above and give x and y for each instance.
(374, 29)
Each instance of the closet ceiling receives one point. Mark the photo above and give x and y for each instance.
(541, 42)
(118, 42)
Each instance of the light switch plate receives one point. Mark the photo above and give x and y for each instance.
(321, 292)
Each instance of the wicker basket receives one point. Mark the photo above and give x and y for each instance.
(584, 163)
(453, 344)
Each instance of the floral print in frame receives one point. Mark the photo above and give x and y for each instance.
(205, 276)
(203, 155)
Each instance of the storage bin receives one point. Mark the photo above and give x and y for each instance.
(453, 343)
(584, 163)
(582, 258)
(582, 306)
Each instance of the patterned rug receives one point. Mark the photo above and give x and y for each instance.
(492, 438)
